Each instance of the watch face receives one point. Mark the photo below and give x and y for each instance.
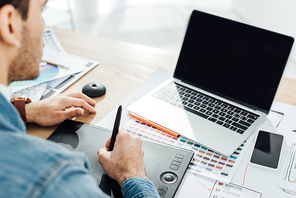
(21, 98)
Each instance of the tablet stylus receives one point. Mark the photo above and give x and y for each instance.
(115, 128)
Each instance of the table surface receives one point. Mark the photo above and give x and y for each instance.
(123, 68)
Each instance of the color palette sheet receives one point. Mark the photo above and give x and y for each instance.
(205, 161)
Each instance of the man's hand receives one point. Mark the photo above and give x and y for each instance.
(126, 159)
(55, 109)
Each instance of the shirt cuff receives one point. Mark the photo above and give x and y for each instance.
(137, 187)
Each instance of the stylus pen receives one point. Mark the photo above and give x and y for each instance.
(159, 127)
(115, 128)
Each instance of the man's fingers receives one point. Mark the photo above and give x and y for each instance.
(84, 97)
(75, 112)
(70, 113)
(102, 155)
(121, 132)
(108, 142)
(82, 104)
(102, 151)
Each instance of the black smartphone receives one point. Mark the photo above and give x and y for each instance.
(267, 149)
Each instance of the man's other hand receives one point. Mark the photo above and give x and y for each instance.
(126, 159)
(54, 110)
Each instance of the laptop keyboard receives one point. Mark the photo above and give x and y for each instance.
(34, 92)
(209, 108)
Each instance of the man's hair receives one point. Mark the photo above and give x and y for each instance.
(21, 5)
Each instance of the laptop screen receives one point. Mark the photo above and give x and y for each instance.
(234, 60)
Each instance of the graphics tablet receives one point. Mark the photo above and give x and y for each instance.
(165, 165)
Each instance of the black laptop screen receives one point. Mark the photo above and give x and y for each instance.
(234, 60)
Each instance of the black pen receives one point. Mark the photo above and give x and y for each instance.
(115, 128)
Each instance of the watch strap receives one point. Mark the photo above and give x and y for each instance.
(19, 104)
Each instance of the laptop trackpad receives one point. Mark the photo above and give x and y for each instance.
(182, 122)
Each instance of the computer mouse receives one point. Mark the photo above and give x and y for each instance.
(94, 89)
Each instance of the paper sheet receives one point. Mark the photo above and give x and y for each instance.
(194, 185)
(51, 41)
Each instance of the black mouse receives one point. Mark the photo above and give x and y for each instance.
(94, 89)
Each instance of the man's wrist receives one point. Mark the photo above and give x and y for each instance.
(139, 187)
(29, 115)
(123, 178)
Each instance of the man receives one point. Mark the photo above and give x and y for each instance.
(33, 167)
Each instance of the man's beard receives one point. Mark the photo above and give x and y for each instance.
(26, 64)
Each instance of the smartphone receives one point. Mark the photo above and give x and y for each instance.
(267, 149)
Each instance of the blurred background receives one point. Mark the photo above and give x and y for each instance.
(162, 23)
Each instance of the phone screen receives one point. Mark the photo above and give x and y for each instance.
(267, 149)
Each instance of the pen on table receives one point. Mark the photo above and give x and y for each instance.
(115, 128)
(59, 65)
(154, 125)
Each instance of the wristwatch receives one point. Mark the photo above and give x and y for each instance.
(19, 103)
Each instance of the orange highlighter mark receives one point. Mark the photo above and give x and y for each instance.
(245, 174)
(201, 183)
(154, 124)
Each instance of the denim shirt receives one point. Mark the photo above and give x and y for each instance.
(33, 167)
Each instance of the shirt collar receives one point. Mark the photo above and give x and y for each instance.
(5, 91)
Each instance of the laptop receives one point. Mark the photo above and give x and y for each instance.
(223, 85)
(165, 165)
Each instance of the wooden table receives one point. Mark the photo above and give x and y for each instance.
(123, 68)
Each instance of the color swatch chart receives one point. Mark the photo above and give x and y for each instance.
(205, 161)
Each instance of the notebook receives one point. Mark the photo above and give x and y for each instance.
(223, 85)
(165, 165)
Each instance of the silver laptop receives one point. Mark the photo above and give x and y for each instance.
(224, 83)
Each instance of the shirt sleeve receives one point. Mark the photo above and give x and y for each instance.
(73, 181)
(138, 187)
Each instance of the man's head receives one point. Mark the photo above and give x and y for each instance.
(21, 31)
(21, 5)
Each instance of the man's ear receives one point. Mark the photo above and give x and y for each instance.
(10, 26)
